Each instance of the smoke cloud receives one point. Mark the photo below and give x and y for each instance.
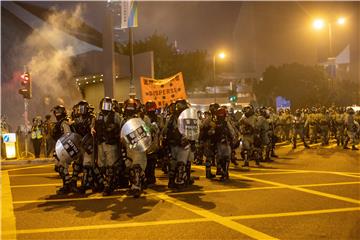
(47, 54)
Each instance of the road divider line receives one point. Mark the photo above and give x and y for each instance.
(99, 197)
(35, 174)
(272, 173)
(216, 218)
(25, 168)
(8, 221)
(298, 213)
(175, 221)
(327, 184)
(170, 193)
(37, 185)
(314, 192)
(347, 174)
(109, 226)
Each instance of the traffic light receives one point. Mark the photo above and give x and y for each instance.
(26, 85)
(233, 98)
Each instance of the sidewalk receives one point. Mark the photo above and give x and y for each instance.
(24, 161)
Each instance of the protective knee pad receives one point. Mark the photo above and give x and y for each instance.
(77, 168)
(180, 173)
(137, 176)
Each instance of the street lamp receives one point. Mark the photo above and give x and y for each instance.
(220, 55)
(320, 24)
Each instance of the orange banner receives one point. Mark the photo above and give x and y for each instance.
(163, 91)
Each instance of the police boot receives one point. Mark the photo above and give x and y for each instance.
(246, 160)
(233, 158)
(150, 171)
(180, 174)
(294, 144)
(137, 178)
(65, 189)
(109, 182)
(354, 148)
(98, 180)
(225, 171)
(345, 144)
(273, 154)
(171, 183)
(189, 180)
(305, 145)
(209, 175)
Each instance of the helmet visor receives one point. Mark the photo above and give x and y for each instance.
(106, 106)
(82, 109)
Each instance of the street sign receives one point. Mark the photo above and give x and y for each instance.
(9, 137)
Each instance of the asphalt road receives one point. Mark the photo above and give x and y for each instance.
(305, 194)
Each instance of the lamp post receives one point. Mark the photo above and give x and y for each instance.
(319, 24)
(220, 55)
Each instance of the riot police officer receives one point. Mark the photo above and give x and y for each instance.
(107, 130)
(180, 147)
(247, 128)
(224, 136)
(62, 126)
(153, 152)
(207, 138)
(135, 161)
(298, 124)
(84, 125)
(351, 128)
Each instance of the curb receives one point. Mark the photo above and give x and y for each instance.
(27, 161)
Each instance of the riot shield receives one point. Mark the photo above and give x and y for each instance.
(189, 124)
(136, 135)
(68, 147)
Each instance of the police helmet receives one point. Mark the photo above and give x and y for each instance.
(150, 106)
(264, 112)
(221, 113)
(131, 107)
(213, 107)
(106, 104)
(181, 105)
(59, 112)
(248, 111)
(82, 107)
(350, 110)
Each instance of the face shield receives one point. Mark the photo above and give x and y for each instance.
(106, 106)
(82, 109)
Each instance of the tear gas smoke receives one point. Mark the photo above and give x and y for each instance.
(47, 53)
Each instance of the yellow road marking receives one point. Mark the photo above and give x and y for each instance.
(37, 185)
(25, 168)
(299, 213)
(347, 174)
(7, 211)
(327, 184)
(35, 174)
(98, 197)
(170, 193)
(272, 173)
(216, 218)
(109, 226)
(177, 221)
(314, 192)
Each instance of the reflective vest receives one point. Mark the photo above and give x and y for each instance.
(36, 133)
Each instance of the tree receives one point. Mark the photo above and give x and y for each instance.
(168, 62)
(302, 85)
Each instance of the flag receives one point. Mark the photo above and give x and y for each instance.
(163, 91)
(129, 14)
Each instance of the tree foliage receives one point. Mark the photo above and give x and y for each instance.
(168, 61)
(302, 85)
